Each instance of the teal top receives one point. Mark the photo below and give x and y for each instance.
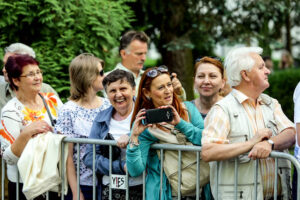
(138, 157)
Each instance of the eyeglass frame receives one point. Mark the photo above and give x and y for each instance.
(157, 70)
(101, 73)
(32, 74)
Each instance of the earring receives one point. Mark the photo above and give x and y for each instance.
(148, 98)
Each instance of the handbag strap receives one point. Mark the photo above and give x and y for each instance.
(48, 111)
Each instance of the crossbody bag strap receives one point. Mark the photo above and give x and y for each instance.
(48, 111)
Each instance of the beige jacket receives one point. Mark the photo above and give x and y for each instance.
(240, 131)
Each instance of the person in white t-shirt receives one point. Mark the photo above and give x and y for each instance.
(114, 123)
(296, 99)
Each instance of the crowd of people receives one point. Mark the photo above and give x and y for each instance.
(231, 119)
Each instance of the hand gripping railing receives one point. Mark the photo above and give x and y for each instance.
(162, 148)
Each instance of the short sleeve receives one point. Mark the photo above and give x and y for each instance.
(64, 124)
(282, 121)
(217, 126)
(11, 124)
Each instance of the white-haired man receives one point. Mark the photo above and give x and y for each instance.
(6, 92)
(247, 120)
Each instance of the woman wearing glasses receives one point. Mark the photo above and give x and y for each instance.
(75, 118)
(156, 91)
(25, 115)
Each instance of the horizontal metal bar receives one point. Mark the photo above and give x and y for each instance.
(154, 146)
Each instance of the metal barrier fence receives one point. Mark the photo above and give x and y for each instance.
(162, 148)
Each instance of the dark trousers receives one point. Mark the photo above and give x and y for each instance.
(294, 185)
(12, 191)
(87, 192)
(135, 193)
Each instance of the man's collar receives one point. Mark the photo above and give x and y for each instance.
(241, 97)
(8, 90)
(120, 66)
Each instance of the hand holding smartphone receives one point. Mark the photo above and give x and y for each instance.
(158, 115)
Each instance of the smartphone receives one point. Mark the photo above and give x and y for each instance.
(154, 116)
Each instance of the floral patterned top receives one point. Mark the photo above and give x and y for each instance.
(14, 117)
(76, 122)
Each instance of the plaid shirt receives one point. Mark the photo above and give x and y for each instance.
(217, 128)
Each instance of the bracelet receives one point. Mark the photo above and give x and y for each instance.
(132, 143)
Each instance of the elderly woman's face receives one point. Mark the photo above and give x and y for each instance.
(161, 91)
(208, 80)
(30, 79)
(120, 95)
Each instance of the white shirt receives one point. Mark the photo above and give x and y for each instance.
(296, 99)
(118, 128)
(14, 117)
(2, 80)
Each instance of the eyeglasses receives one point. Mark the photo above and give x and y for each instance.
(216, 58)
(101, 73)
(33, 74)
(157, 70)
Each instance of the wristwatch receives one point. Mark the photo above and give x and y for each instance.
(271, 142)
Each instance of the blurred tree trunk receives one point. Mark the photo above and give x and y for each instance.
(181, 62)
(175, 44)
(288, 42)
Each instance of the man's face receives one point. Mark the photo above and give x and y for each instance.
(134, 56)
(6, 55)
(259, 73)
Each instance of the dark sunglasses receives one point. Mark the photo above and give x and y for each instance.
(156, 71)
(101, 72)
(216, 58)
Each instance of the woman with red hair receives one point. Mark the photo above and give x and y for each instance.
(28, 114)
(156, 91)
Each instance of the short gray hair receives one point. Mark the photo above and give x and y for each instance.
(239, 59)
(20, 48)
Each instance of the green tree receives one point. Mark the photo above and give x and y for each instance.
(178, 27)
(185, 29)
(60, 30)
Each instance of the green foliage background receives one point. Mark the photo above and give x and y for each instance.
(60, 30)
(282, 86)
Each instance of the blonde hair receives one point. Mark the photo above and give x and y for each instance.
(83, 71)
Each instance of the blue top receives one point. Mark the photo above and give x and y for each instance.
(99, 130)
(138, 157)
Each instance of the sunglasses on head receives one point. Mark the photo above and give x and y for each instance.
(216, 58)
(101, 73)
(156, 71)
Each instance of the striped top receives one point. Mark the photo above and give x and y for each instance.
(217, 128)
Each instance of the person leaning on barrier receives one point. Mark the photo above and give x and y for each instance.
(75, 118)
(156, 91)
(6, 92)
(115, 121)
(24, 116)
(247, 120)
(133, 50)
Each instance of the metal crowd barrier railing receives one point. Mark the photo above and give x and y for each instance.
(162, 148)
